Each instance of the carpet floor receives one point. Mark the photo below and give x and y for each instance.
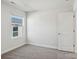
(36, 52)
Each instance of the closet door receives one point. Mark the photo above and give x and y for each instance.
(65, 31)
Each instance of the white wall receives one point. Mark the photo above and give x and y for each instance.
(7, 42)
(41, 28)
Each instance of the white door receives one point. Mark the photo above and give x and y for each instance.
(65, 31)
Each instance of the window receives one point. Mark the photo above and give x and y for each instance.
(15, 28)
(15, 31)
(17, 25)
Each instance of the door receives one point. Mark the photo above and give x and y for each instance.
(65, 31)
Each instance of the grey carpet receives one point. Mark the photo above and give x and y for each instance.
(35, 52)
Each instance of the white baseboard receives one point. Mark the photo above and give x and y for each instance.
(43, 45)
(7, 50)
(47, 46)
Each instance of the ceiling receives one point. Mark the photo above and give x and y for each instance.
(38, 5)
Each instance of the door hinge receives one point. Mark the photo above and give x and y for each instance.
(73, 30)
(73, 45)
(73, 16)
